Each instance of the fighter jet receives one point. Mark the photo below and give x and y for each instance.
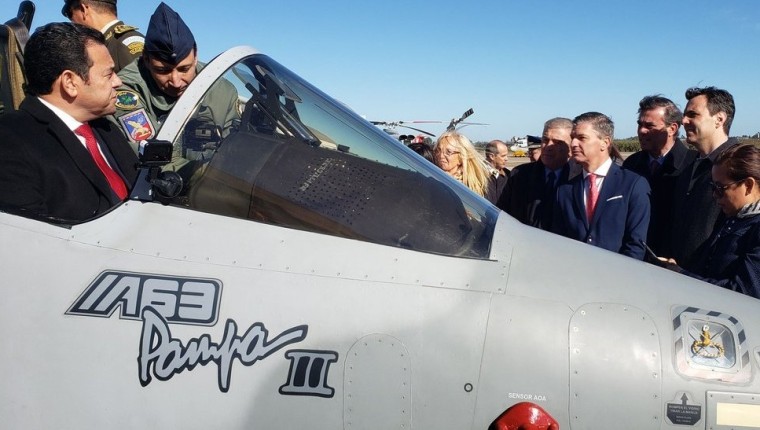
(316, 273)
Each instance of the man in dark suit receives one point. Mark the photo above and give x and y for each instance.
(59, 158)
(606, 206)
(531, 189)
(707, 121)
(662, 158)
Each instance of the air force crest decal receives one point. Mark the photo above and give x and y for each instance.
(137, 125)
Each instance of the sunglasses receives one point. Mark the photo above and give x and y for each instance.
(720, 189)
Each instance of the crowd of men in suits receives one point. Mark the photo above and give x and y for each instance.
(661, 196)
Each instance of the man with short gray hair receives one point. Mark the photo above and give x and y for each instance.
(532, 187)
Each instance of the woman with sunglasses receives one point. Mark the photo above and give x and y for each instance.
(457, 156)
(731, 257)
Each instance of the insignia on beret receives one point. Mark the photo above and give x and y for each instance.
(137, 125)
(127, 100)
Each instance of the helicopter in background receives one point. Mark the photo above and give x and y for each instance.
(454, 124)
(391, 126)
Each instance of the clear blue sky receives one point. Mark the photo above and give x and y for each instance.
(517, 63)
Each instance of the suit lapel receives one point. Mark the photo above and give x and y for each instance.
(122, 157)
(71, 144)
(677, 159)
(539, 178)
(110, 157)
(578, 206)
(644, 168)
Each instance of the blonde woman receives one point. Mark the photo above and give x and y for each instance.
(456, 155)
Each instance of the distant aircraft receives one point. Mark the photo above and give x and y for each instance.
(455, 123)
(391, 126)
(520, 144)
(316, 273)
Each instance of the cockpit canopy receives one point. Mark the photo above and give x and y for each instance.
(298, 159)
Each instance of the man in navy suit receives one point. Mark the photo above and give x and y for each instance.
(605, 206)
(59, 158)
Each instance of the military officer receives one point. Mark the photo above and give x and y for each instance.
(153, 84)
(124, 42)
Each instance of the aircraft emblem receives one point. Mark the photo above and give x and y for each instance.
(706, 347)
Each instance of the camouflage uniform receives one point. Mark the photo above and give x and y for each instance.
(141, 108)
(124, 42)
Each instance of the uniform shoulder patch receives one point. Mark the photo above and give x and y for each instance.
(137, 125)
(127, 100)
(123, 28)
(135, 44)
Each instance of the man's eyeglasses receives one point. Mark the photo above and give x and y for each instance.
(720, 189)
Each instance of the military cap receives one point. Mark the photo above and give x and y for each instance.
(168, 37)
(534, 142)
(67, 5)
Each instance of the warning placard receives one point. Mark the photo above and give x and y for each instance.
(683, 411)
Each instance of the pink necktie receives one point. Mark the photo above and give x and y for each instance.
(593, 195)
(114, 180)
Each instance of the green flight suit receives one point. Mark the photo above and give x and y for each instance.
(139, 93)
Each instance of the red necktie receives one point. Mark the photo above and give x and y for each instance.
(593, 195)
(114, 180)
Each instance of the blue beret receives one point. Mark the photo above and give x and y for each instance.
(168, 38)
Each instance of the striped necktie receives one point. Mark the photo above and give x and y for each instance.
(593, 196)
